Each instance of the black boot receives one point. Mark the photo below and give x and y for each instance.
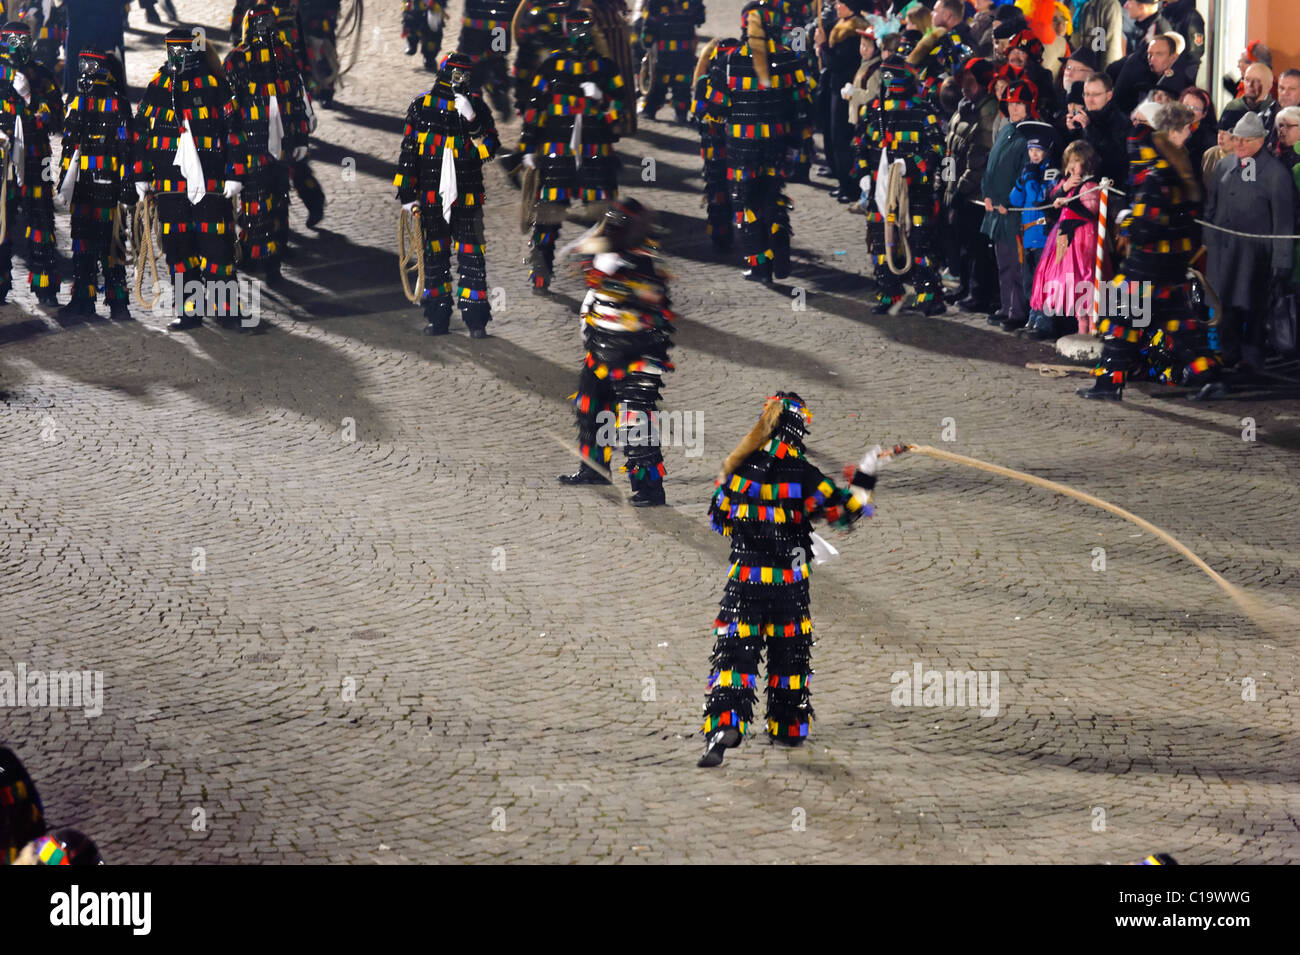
(78, 308)
(1102, 390)
(171, 10)
(585, 474)
(716, 747)
(649, 494)
(184, 323)
(119, 312)
(759, 273)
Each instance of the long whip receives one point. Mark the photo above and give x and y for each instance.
(1278, 620)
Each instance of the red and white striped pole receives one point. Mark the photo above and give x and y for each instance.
(1101, 255)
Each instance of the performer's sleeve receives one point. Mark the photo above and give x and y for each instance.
(239, 161)
(297, 126)
(71, 138)
(407, 179)
(615, 94)
(532, 113)
(49, 111)
(142, 165)
(839, 507)
(484, 128)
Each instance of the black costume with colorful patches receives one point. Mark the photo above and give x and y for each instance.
(569, 130)
(274, 121)
(760, 92)
(900, 124)
(437, 132)
(668, 28)
(198, 238)
(97, 132)
(627, 330)
(767, 498)
(1166, 340)
(713, 144)
(28, 118)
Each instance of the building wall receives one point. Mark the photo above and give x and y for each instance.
(1277, 23)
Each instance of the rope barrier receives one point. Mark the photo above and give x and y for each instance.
(410, 254)
(1052, 205)
(1244, 235)
(1280, 621)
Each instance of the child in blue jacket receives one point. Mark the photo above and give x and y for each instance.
(1031, 190)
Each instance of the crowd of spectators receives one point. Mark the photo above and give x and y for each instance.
(1086, 85)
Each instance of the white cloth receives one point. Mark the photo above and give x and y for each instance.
(575, 141)
(19, 152)
(607, 262)
(22, 87)
(70, 180)
(592, 91)
(447, 181)
(411, 207)
(872, 461)
(274, 128)
(187, 159)
(882, 181)
(464, 107)
(823, 550)
(232, 189)
(142, 190)
(299, 153)
(530, 160)
(312, 121)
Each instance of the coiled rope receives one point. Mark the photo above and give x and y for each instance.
(1281, 621)
(410, 254)
(898, 221)
(146, 251)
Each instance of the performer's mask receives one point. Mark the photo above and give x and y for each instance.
(459, 79)
(90, 70)
(579, 31)
(261, 27)
(17, 48)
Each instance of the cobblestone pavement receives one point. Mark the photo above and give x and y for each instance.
(416, 647)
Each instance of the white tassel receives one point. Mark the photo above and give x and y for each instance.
(823, 550)
(70, 179)
(20, 152)
(447, 181)
(575, 141)
(187, 160)
(275, 129)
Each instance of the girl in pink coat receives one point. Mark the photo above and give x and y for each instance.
(1063, 284)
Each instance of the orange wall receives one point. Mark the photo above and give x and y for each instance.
(1277, 23)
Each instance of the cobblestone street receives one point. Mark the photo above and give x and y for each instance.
(416, 646)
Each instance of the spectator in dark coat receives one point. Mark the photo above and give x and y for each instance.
(970, 137)
(1140, 75)
(1102, 127)
(1006, 160)
(91, 23)
(840, 59)
(1251, 192)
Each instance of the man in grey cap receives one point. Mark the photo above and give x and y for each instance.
(1250, 192)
